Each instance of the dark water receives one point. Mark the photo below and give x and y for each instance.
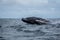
(15, 29)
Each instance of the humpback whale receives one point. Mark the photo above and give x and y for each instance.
(35, 20)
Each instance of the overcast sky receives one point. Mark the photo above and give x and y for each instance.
(28, 8)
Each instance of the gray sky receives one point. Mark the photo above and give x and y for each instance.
(27, 8)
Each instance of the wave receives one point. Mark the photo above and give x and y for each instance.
(15, 29)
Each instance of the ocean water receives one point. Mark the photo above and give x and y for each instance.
(15, 29)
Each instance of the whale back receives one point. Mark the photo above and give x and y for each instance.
(35, 20)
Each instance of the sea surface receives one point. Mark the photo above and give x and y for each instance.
(15, 29)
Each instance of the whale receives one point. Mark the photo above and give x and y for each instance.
(35, 20)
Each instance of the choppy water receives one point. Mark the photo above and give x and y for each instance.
(15, 29)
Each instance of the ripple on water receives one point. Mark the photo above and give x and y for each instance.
(18, 27)
(31, 32)
(39, 33)
(0, 26)
(35, 32)
(58, 26)
(57, 35)
(2, 38)
(50, 38)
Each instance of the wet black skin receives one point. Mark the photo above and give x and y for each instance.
(32, 20)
